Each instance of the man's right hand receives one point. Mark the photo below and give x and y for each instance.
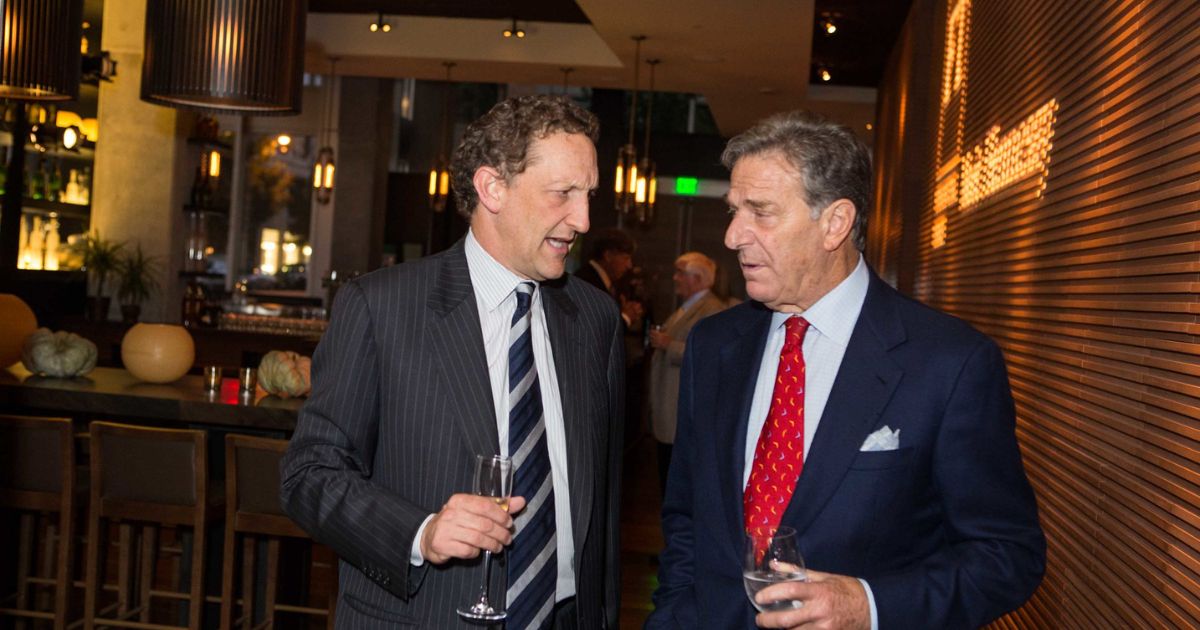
(467, 525)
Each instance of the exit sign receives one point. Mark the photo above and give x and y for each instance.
(686, 186)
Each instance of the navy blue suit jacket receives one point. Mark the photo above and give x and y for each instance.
(944, 529)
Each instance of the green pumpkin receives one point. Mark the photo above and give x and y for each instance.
(284, 374)
(59, 354)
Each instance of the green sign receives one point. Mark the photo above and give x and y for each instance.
(686, 186)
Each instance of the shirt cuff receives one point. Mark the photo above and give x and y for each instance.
(870, 602)
(416, 559)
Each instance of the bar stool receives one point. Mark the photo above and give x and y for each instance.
(152, 477)
(252, 510)
(37, 479)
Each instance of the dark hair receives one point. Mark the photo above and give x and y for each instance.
(501, 139)
(610, 240)
(833, 163)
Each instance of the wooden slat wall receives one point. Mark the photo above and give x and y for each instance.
(1092, 288)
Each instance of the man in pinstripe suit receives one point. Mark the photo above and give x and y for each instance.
(409, 385)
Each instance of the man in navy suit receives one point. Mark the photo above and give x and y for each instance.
(486, 348)
(910, 499)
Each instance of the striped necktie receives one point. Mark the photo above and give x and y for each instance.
(532, 560)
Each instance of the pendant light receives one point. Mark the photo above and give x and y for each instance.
(625, 182)
(439, 175)
(646, 189)
(323, 169)
(225, 56)
(39, 49)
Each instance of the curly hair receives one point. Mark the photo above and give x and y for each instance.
(832, 162)
(501, 139)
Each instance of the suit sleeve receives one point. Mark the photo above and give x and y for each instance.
(996, 552)
(326, 473)
(616, 444)
(674, 599)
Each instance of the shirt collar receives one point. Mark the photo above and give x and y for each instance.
(602, 273)
(692, 300)
(493, 282)
(836, 313)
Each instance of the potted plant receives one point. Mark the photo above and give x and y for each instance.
(136, 282)
(100, 259)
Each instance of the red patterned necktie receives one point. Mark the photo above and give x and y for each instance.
(779, 456)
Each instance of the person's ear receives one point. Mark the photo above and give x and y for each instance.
(490, 187)
(837, 223)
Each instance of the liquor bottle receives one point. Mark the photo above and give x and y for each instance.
(37, 182)
(71, 192)
(55, 184)
(52, 242)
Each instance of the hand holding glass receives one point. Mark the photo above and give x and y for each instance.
(769, 559)
(493, 478)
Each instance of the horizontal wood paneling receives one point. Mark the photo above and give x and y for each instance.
(1091, 285)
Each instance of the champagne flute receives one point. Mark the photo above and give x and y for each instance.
(771, 557)
(493, 478)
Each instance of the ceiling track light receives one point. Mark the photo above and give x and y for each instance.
(828, 22)
(514, 30)
(824, 74)
(380, 25)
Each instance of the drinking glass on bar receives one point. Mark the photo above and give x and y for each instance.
(771, 557)
(493, 478)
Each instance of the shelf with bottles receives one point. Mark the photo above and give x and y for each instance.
(47, 240)
(49, 181)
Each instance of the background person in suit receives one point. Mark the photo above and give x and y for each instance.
(693, 278)
(610, 260)
(413, 379)
(908, 493)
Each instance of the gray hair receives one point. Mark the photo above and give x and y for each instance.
(699, 265)
(832, 162)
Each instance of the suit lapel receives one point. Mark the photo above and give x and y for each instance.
(864, 384)
(568, 347)
(740, 358)
(458, 338)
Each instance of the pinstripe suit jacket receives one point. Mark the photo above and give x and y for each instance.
(401, 404)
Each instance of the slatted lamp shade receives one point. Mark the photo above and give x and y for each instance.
(225, 56)
(39, 49)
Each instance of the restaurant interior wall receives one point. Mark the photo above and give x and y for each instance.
(1085, 268)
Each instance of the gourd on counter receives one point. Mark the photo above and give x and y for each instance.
(59, 354)
(285, 374)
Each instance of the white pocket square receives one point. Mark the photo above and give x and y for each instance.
(884, 439)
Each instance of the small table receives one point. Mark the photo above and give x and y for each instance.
(116, 394)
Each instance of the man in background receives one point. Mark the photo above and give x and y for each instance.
(484, 349)
(879, 429)
(693, 278)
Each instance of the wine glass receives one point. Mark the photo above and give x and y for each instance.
(493, 478)
(771, 557)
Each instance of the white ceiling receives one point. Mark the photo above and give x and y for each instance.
(748, 59)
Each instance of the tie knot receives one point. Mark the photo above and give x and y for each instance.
(795, 327)
(524, 297)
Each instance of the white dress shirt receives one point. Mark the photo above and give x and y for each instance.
(831, 322)
(495, 296)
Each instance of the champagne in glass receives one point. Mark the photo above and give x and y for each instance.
(493, 478)
(771, 557)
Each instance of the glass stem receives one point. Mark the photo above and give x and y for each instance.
(487, 577)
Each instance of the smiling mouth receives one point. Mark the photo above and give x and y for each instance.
(560, 243)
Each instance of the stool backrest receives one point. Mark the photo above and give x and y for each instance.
(252, 485)
(37, 459)
(134, 465)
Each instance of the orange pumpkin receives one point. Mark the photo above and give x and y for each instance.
(17, 322)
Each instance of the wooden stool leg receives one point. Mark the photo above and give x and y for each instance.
(42, 596)
(196, 585)
(248, 547)
(24, 560)
(92, 579)
(62, 572)
(149, 556)
(272, 580)
(228, 573)
(124, 568)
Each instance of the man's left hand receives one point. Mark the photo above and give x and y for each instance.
(830, 602)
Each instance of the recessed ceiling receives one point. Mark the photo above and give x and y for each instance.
(748, 60)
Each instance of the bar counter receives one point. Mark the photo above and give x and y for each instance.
(115, 394)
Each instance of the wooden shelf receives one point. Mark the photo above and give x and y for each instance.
(45, 207)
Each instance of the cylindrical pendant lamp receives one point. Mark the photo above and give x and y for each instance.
(39, 49)
(225, 56)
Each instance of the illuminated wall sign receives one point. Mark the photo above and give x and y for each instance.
(1001, 158)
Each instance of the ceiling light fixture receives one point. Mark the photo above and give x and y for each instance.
(225, 56)
(827, 22)
(39, 49)
(514, 30)
(380, 24)
(323, 168)
(646, 189)
(625, 184)
(824, 74)
(439, 175)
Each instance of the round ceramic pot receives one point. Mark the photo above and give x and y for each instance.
(158, 353)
